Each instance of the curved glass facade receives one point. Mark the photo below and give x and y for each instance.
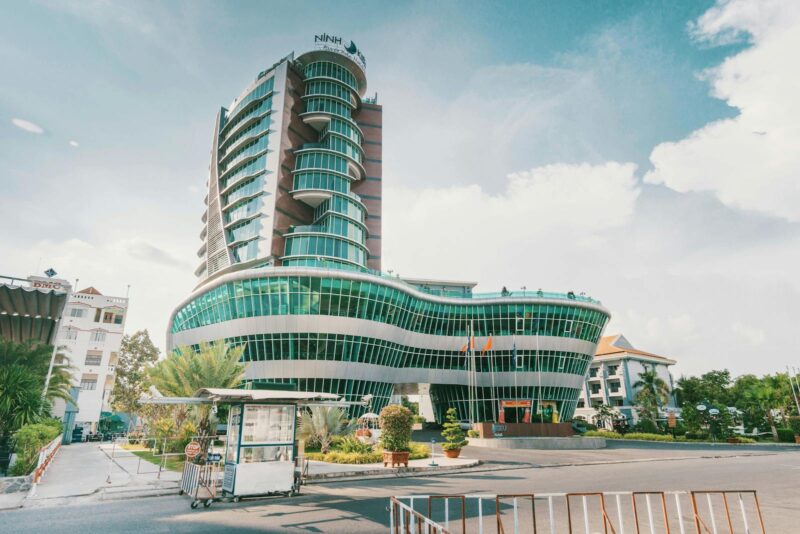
(330, 165)
(352, 319)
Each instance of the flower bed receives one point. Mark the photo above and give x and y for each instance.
(418, 452)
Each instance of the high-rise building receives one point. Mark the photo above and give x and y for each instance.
(291, 265)
(295, 173)
(91, 333)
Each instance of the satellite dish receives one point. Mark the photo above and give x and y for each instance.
(701, 407)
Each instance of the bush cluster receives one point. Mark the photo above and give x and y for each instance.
(602, 434)
(27, 442)
(344, 451)
(785, 435)
(395, 422)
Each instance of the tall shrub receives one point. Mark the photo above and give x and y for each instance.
(396, 422)
(452, 433)
(320, 424)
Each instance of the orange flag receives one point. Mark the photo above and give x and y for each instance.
(488, 346)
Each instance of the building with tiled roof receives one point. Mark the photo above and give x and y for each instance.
(616, 366)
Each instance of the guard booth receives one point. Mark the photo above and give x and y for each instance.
(261, 452)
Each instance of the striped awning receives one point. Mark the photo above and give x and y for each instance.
(29, 313)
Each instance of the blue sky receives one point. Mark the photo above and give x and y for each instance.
(651, 142)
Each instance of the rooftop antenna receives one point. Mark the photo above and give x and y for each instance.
(128, 291)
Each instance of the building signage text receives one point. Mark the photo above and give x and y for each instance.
(333, 43)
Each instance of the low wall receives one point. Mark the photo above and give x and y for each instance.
(15, 484)
(520, 430)
(555, 443)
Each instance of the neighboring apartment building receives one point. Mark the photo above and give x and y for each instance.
(291, 257)
(91, 330)
(614, 370)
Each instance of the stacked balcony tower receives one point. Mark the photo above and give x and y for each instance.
(291, 259)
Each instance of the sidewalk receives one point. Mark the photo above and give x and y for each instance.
(88, 472)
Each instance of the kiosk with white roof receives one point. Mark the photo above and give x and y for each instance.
(260, 453)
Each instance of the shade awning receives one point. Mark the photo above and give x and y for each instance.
(251, 395)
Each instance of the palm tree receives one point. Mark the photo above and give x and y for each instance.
(653, 392)
(320, 424)
(23, 371)
(766, 397)
(182, 373)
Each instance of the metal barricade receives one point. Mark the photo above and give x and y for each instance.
(640, 512)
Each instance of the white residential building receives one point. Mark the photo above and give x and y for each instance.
(615, 368)
(91, 330)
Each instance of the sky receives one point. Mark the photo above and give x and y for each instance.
(645, 152)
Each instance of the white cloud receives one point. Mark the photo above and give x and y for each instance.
(751, 161)
(464, 231)
(28, 126)
(74, 143)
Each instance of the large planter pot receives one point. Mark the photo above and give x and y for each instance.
(452, 453)
(395, 459)
(797, 439)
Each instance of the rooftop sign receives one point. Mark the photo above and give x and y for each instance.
(332, 43)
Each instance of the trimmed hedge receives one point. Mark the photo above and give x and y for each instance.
(418, 451)
(785, 435)
(602, 434)
(27, 442)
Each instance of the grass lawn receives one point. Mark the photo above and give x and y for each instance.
(173, 463)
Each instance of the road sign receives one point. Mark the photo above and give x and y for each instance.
(192, 449)
(672, 421)
(214, 457)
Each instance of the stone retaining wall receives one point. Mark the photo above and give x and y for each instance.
(15, 484)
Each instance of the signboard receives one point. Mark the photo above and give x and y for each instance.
(498, 430)
(333, 43)
(192, 449)
(229, 477)
(56, 284)
(214, 457)
(515, 404)
(672, 421)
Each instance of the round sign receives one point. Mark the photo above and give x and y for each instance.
(701, 407)
(192, 449)
(713, 411)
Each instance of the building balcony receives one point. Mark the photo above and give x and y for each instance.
(311, 197)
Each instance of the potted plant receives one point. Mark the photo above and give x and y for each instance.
(395, 438)
(453, 435)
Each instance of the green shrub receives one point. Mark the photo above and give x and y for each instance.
(794, 423)
(452, 433)
(473, 433)
(395, 422)
(418, 419)
(27, 442)
(602, 434)
(646, 426)
(785, 435)
(702, 436)
(648, 436)
(419, 451)
(338, 457)
(742, 439)
(350, 444)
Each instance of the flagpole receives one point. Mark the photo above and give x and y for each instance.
(468, 369)
(494, 392)
(797, 405)
(474, 374)
(539, 376)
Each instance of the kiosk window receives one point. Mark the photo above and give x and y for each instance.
(273, 453)
(233, 434)
(268, 424)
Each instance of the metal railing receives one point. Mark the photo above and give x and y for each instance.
(640, 512)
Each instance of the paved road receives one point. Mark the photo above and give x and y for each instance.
(352, 507)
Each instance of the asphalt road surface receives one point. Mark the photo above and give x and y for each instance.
(354, 507)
